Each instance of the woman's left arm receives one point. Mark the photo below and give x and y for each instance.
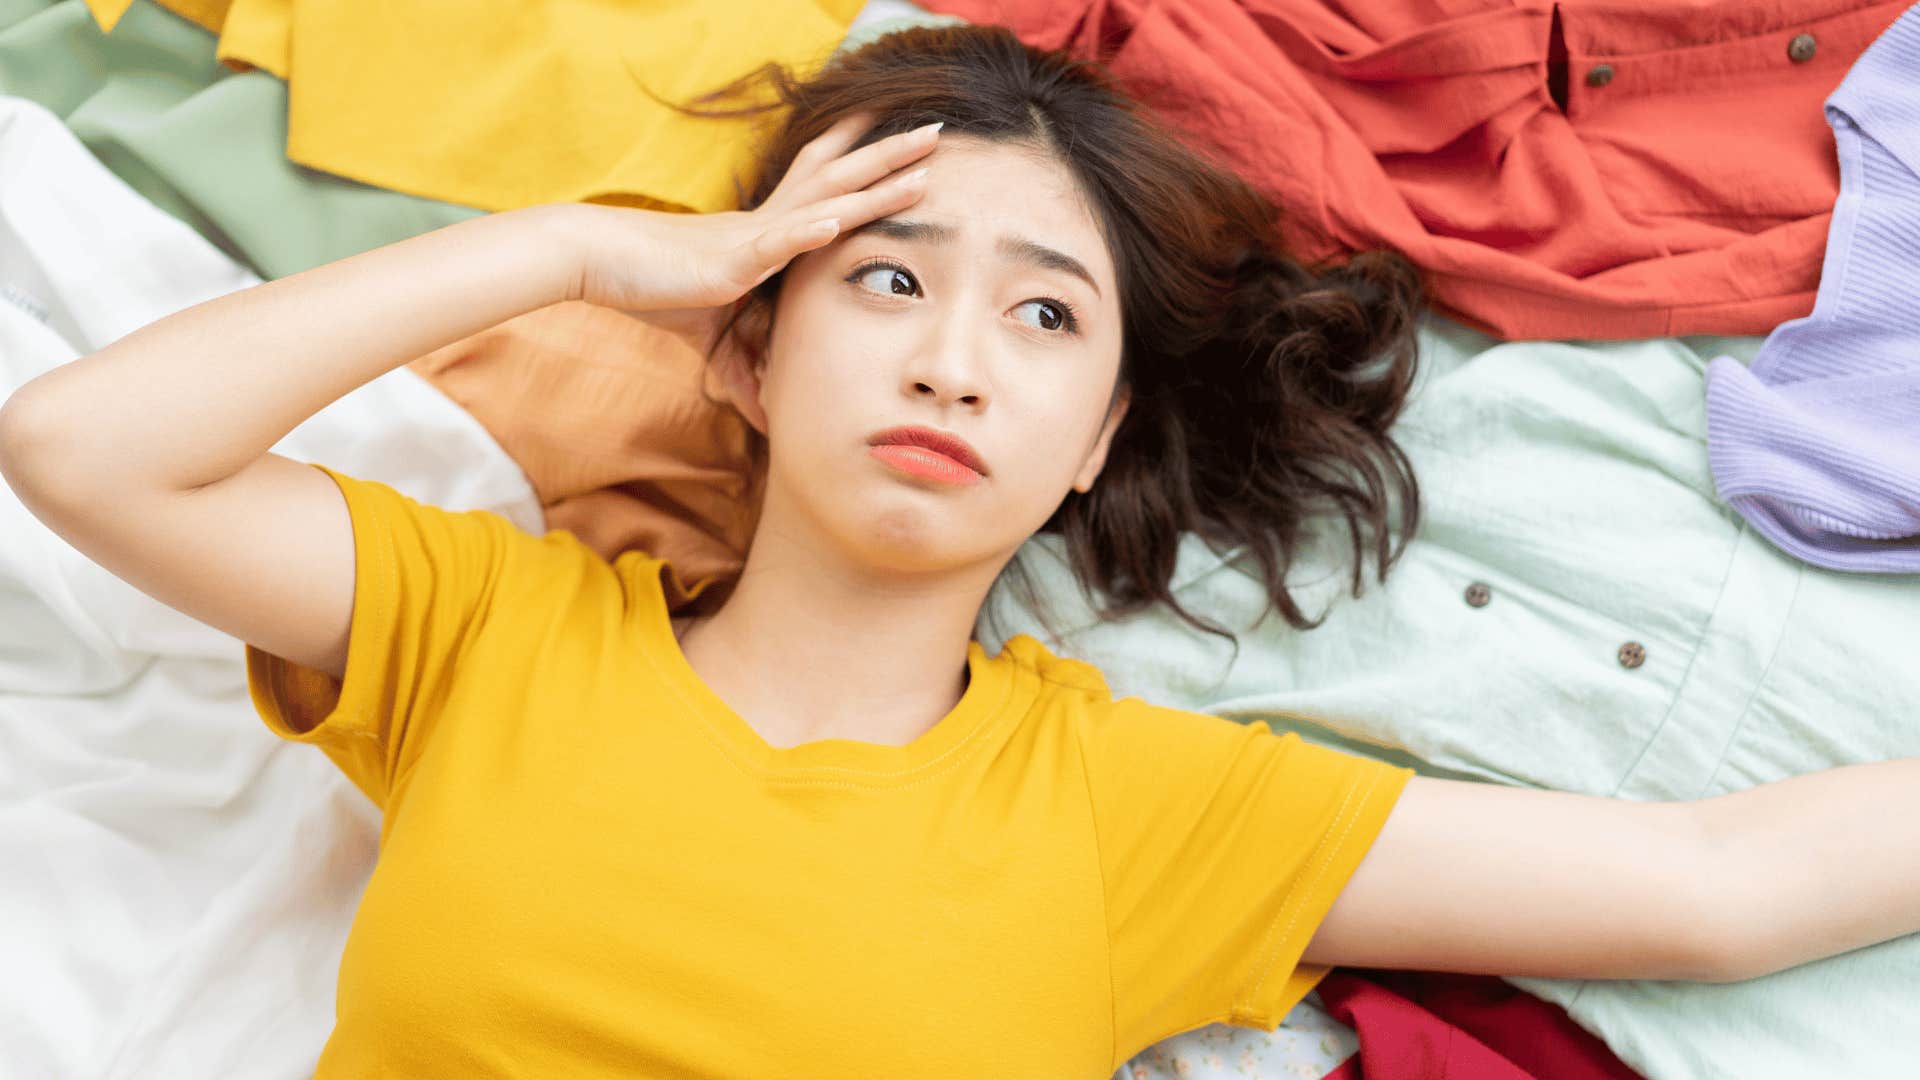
(1488, 879)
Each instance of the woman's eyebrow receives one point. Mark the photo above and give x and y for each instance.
(1017, 248)
(902, 229)
(1021, 249)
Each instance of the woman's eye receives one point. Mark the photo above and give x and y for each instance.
(888, 279)
(1046, 315)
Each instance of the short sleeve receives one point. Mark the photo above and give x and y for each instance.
(424, 578)
(1222, 847)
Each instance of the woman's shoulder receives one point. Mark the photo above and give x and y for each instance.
(1089, 698)
(487, 558)
(1027, 653)
(1076, 692)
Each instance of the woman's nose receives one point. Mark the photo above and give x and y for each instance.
(943, 392)
(948, 367)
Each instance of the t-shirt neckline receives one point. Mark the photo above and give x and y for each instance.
(990, 683)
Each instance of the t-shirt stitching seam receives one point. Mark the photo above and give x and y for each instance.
(803, 781)
(497, 556)
(1233, 1007)
(1328, 848)
(751, 770)
(1063, 683)
(350, 704)
(1323, 855)
(1106, 917)
(706, 730)
(386, 588)
(772, 776)
(990, 720)
(277, 693)
(345, 706)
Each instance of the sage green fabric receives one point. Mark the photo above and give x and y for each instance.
(1571, 479)
(204, 143)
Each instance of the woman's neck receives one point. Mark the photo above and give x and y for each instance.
(808, 647)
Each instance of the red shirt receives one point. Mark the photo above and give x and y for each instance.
(1577, 170)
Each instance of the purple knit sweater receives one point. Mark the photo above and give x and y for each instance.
(1818, 443)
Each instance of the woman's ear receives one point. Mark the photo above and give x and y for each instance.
(740, 358)
(1097, 456)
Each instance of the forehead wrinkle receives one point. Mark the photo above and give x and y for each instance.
(1012, 246)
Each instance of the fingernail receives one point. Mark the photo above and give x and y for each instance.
(931, 129)
(917, 176)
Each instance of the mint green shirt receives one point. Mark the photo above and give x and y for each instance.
(1570, 481)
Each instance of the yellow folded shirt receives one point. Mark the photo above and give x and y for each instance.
(502, 103)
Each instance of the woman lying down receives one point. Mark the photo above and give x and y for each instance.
(805, 826)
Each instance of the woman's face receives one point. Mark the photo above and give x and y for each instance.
(988, 310)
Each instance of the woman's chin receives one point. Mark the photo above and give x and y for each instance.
(911, 537)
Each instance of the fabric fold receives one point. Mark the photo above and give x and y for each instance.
(499, 103)
(1817, 443)
(1649, 169)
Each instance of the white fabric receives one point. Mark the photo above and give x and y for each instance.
(178, 882)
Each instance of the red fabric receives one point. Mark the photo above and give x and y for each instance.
(1689, 193)
(1426, 1026)
(1347, 1070)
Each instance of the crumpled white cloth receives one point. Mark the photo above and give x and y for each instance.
(178, 882)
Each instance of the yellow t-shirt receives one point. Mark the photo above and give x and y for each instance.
(591, 866)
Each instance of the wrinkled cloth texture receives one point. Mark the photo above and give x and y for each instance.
(1429, 1026)
(1685, 190)
(201, 141)
(618, 428)
(500, 104)
(1818, 442)
(178, 882)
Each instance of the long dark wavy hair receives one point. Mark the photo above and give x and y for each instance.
(1262, 389)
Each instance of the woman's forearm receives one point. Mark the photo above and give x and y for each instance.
(199, 395)
(1821, 863)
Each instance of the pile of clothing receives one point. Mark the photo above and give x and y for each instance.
(1667, 430)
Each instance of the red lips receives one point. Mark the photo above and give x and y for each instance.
(940, 442)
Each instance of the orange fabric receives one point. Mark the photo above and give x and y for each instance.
(1687, 190)
(607, 417)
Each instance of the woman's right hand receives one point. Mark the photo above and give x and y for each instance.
(683, 271)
